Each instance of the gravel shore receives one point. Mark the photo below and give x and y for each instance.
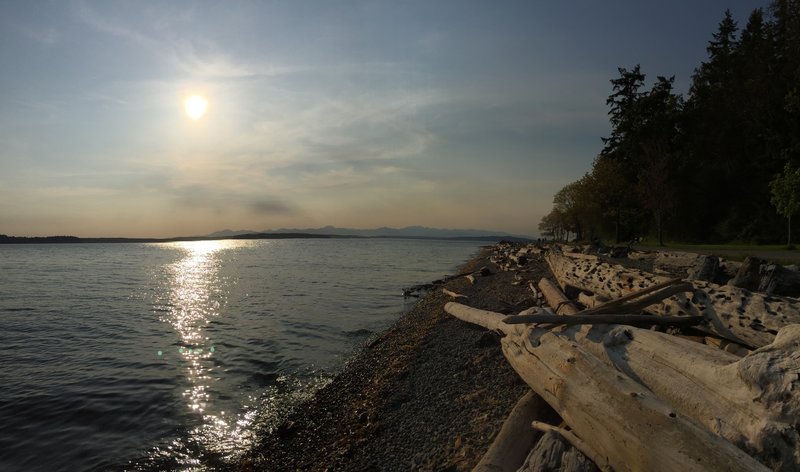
(429, 393)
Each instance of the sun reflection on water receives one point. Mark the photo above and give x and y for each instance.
(198, 295)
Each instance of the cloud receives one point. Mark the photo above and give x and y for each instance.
(271, 208)
(197, 57)
(334, 178)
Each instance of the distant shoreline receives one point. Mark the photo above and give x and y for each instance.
(76, 240)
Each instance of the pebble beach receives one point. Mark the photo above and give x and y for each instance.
(429, 393)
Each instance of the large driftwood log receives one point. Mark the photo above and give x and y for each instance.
(751, 319)
(726, 394)
(625, 423)
(713, 387)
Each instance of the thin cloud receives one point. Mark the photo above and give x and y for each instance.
(271, 208)
(182, 54)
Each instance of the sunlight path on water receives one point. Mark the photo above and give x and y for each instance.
(197, 297)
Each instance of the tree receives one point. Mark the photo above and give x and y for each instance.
(612, 193)
(576, 203)
(624, 95)
(785, 189)
(655, 187)
(553, 226)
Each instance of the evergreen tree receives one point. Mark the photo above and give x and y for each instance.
(710, 160)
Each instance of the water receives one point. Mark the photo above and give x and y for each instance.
(164, 356)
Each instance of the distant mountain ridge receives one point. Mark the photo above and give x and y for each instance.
(407, 232)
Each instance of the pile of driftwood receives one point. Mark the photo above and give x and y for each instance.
(648, 373)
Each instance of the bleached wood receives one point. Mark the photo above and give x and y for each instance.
(579, 255)
(487, 319)
(452, 294)
(546, 454)
(726, 346)
(516, 438)
(750, 319)
(707, 384)
(561, 304)
(622, 420)
(650, 294)
(605, 318)
(577, 442)
(591, 301)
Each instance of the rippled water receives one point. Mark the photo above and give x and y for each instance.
(162, 356)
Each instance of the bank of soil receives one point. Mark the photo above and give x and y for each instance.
(430, 393)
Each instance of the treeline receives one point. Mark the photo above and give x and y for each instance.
(5, 239)
(697, 168)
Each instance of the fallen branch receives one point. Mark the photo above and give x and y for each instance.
(452, 294)
(640, 300)
(620, 300)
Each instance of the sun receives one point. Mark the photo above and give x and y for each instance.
(195, 106)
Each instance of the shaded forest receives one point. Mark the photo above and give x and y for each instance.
(719, 165)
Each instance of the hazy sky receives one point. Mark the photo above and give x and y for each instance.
(449, 114)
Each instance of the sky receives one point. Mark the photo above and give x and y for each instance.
(449, 114)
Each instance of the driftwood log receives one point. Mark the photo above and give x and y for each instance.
(553, 453)
(516, 437)
(757, 274)
(777, 279)
(735, 314)
(710, 386)
(749, 274)
(626, 424)
(628, 320)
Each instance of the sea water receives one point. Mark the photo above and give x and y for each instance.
(165, 356)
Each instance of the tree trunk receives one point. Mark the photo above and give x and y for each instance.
(659, 229)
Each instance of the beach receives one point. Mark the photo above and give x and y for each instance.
(430, 392)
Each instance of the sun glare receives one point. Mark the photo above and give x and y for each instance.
(195, 106)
